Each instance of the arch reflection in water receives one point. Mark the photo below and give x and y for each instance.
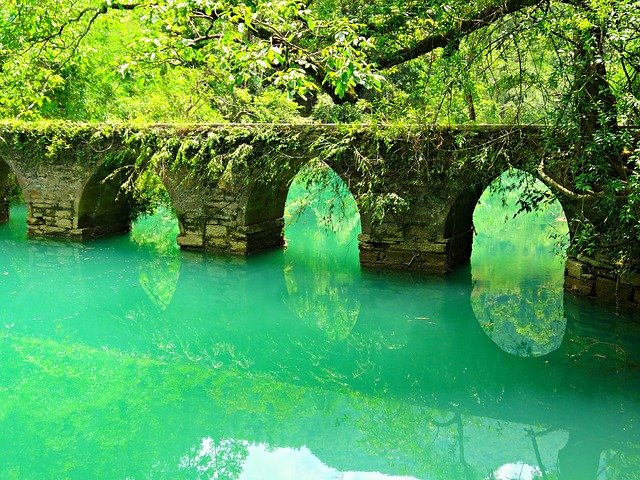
(518, 267)
(157, 232)
(321, 231)
(243, 460)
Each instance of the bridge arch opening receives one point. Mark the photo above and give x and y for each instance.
(117, 200)
(11, 190)
(321, 214)
(154, 222)
(321, 260)
(517, 265)
(104, 206)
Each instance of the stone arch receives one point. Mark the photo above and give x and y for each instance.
(265, 203)
(6, 170)
(101, 205)
(330, 178)
(459, 227)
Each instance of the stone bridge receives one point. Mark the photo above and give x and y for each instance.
(416, 189)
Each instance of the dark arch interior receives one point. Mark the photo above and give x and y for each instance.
(105, 206)
(459, 228)
(10, 192)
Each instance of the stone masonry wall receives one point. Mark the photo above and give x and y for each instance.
(587, 277)
(50, 196)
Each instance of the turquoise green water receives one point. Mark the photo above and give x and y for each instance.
(125, 358)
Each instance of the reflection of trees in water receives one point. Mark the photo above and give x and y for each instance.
(323, 300)
(157, 233)
(141, 410)
(518, 272)
(525, 320)
(620, 465)
(215, 460)
(159, 279)
(322, 225)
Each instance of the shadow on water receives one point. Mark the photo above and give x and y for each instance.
(145, 362)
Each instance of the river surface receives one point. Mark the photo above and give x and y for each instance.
(125, 358)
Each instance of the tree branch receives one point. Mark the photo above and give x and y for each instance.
(316, 72)
(562, 189)
(464, 27)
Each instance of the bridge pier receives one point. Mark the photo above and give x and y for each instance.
(46, 217)
(433, 235)
(218, 227)
(588, 277)
(75, 203)
(227, 217)
(4, 200)
(387, 252)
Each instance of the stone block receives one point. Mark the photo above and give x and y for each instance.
(219, 231)
(575, 268)
(609, 290)
(632, 278)
(432, 247)
(422, 233)
(387, 233)
(189, 240)
(63, 214)
(219, 206)
(43, 205)
(217, 243)
(369, 257)
(222, 216)
(50, 230)
(417, 261)
(63, 223)
(581, 287)
(191, 224)
(35, 220)
(595, 262)
(604, 273)
(238, 248)
(258, 227)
